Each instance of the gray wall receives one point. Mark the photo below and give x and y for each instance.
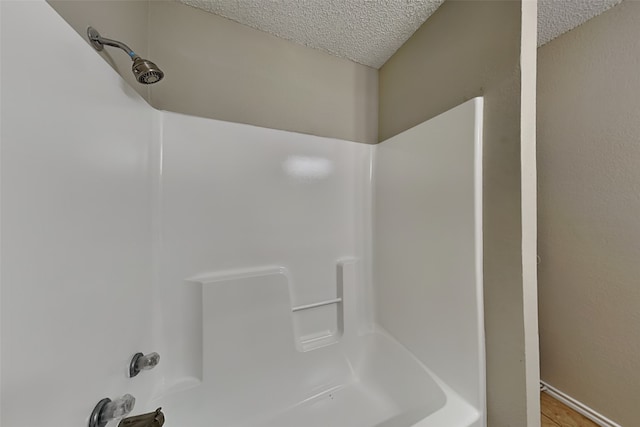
(464, 50)
(223, 70)
(589, 212)
(123, 20)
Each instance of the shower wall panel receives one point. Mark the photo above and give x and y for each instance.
(235, 199)
(76, 266)
(428, 245)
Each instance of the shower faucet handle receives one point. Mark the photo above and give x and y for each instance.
(143, 362)
(108, 410)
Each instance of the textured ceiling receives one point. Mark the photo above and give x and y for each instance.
(364, 31)
(370, 31)
(556, 17)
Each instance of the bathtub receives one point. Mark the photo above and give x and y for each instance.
(258, 368)
(286, 345)
(371, 382)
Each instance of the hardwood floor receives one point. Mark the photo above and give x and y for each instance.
(557, 414)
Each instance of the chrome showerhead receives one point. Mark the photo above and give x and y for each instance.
(145, 71)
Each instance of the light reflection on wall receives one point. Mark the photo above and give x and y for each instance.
(307, 167)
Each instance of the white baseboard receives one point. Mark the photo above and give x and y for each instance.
(579, 407)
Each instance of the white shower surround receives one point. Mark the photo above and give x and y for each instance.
(126, 229)
(293, 227)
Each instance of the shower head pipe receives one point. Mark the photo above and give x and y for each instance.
(99, 42)
(145, 71)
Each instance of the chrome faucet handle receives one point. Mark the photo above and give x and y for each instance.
(143, 362)
(109, 410)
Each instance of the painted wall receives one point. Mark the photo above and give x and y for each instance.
(76, 266)
(588, 133)
(220, 69)
(224, 70)
(464, 50)
(126, 21)
(428, 245)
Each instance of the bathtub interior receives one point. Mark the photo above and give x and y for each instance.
(377, 386)
(255, 375)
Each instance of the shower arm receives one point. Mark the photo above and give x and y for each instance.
(99, 42)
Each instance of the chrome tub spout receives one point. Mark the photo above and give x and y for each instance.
(152, 419)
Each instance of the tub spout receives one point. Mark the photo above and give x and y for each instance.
(152, 419)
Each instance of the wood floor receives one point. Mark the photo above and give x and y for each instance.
(556, 414)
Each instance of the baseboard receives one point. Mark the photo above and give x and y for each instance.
(577, 406)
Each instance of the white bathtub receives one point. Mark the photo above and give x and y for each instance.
(269, 346)
(372, 382)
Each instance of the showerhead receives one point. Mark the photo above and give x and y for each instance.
(145, 71)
